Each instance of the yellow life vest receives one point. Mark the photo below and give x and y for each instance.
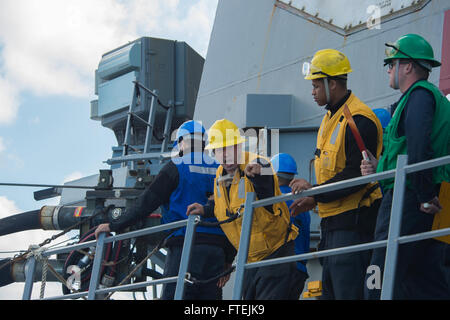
(269, 230)
(331, 143)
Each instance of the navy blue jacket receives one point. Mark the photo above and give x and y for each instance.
(302, 221)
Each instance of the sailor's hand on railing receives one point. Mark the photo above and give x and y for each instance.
(302, 205)
(431, 207)
(104, 227)
(195, 208)
(299, 185)
(369, 166)
(252, 169)
(223, 280)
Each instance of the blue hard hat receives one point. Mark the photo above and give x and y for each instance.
(383, 115)
(190, 127)
(283, 162)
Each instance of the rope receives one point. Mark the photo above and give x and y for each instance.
(36, 252)
(213, 279)
(138, 266)
(161, 243)
(44, 277)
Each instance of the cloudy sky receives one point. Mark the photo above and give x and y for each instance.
(49, 50)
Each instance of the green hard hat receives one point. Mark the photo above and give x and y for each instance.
(411, 46)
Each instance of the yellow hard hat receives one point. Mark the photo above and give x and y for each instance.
(223, 133)
(327, 63)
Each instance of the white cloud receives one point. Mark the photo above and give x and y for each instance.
(176, 20)
(9, 160)
(21, 241)
(9, 99)
(2, 145)
(7, 207)
(53, 47)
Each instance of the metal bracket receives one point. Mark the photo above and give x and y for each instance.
(188, 277)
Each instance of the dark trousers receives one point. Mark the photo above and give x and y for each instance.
(207, 261)
(343, 275)
(447, 263)
(272, 282)
(420, 272)
(298, 284)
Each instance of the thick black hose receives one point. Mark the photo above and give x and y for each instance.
(20, 222)
(5, 273)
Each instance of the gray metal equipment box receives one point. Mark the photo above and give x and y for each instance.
(171, 68)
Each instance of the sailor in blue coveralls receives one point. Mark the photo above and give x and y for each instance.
(186, 179)
(286, 168)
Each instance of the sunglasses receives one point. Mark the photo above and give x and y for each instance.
(392, 50)
(392, 63)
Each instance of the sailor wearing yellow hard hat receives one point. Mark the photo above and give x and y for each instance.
(347, 215)
(187, 178)
(272, 233)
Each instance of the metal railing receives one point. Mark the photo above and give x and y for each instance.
(393, 239)
(391, 243)
(100, 243)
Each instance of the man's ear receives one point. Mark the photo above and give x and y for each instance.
(408, 68)
(332, 84)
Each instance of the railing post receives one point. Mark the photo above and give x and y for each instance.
(394, 229)
(244, 244)
(193, 220)
(126, 139)
(30, 267)
(150, 125)
(167, 126)
(98, 259)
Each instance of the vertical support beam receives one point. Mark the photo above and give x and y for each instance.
(394, 229)
(29, 278)
(127, 137)
(244, 244)
(167, 126)
(151, 123)
(154, 287)
(186, 255)
(98, 259)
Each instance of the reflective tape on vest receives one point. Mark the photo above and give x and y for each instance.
(202, 170)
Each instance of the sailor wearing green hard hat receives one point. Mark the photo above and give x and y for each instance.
(420, 129)
(409, 49)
